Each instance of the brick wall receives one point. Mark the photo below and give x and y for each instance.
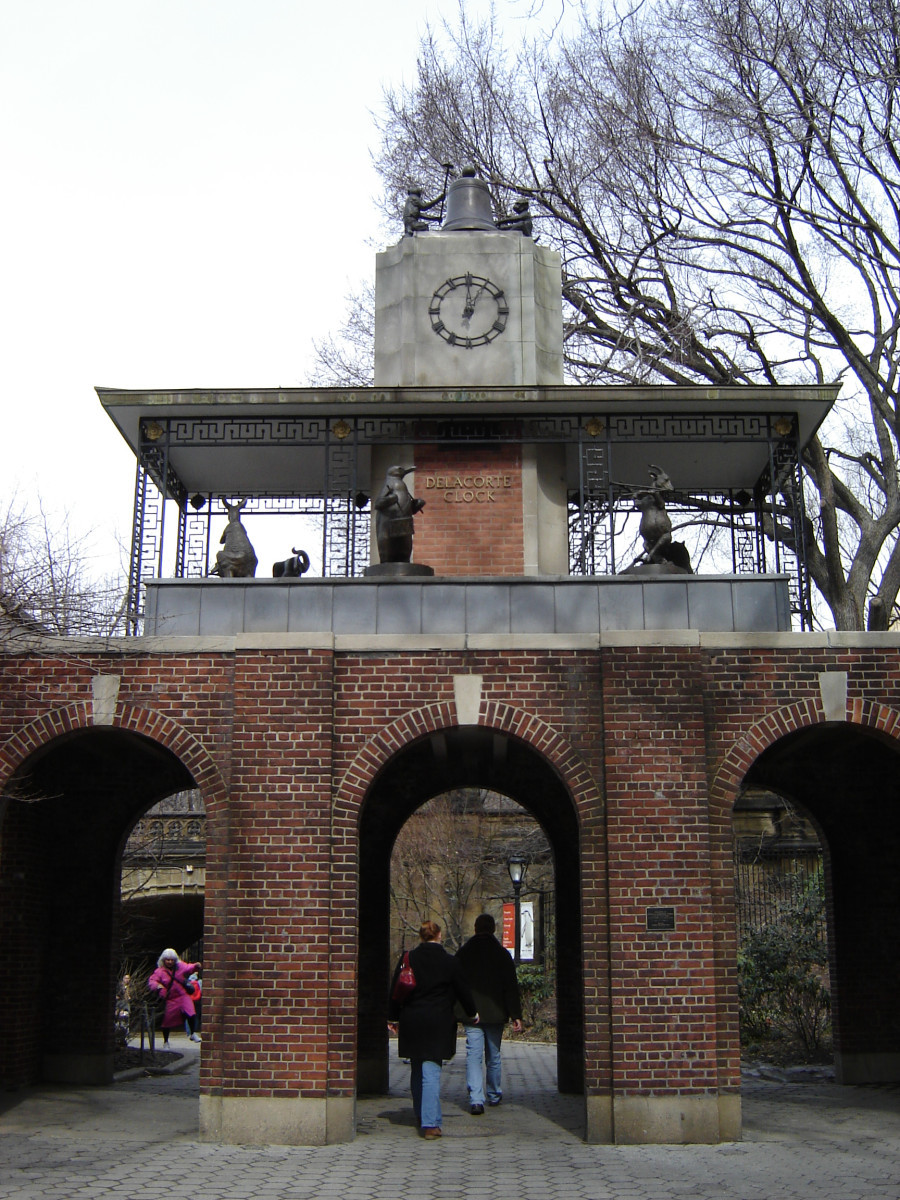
(471, 493)
(629, 756)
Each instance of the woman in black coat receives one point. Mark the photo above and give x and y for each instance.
(426, 1024)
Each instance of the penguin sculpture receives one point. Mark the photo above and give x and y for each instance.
(394, 508)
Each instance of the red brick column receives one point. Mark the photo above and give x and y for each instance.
(279, 920)
(663, 981)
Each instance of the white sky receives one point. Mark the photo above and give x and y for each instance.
(187, 196)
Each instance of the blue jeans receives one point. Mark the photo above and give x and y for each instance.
(425, 1085)
(483, 1047)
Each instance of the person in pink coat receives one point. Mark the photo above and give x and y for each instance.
(170, 982)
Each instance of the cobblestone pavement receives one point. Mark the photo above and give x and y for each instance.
(138, 1141)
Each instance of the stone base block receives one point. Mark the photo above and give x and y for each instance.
(372, 1075)
(270, 1121)
(873, 1067)
(598, 1120)
(655, 1120)
(401, 570)
(78, 1068)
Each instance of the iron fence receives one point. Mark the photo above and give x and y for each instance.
(768, 880)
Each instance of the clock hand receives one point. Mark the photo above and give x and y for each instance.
(469, 306)
(471, 301)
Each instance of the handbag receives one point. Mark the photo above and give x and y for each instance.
(405, 983)
(188, 987)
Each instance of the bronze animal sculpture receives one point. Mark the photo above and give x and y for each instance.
(656, 526)
(414, 210)
(520, 221)
(293, 567)
(394, 508)
(238, 559)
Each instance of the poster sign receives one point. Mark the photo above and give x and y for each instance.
(509, 927)
(526, 937)
(526, 928)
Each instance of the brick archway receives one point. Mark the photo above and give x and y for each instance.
(85, 783)
(780, 723)
(437, 718)
(74, 718)
(845, 775)
(516, 754)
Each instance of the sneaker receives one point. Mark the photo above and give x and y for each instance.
(477, 1110)
(195, 1037)
(494, 1103)
(430, 1133)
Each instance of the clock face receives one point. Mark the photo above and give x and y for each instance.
(468, 311)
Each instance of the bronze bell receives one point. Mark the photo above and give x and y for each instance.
(468, 203)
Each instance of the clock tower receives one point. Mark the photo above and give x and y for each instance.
(476, 304)
(469, 304)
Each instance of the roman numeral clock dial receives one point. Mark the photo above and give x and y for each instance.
(468, 311)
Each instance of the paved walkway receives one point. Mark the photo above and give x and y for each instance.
(138, 1141)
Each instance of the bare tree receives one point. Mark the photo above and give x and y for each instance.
(722, 181)
(348, 360)
(46, 584)
(449, 861)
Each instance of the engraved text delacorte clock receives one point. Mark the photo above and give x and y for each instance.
(468, 310)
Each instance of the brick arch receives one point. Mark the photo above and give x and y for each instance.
(879, 718)
(362, 855)
(153, 725)
(435, 718)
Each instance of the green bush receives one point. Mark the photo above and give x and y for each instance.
(538, 995)
(782, 970)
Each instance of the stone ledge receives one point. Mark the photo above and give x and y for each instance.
(535, 607)
(392, 643)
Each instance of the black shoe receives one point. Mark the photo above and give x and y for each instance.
(477, 1110)
(494, 1103)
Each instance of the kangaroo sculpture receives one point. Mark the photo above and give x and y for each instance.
(238, 558)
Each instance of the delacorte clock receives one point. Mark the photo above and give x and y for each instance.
(468, 311)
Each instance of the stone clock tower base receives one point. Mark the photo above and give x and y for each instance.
(412, 297)
(470, 309)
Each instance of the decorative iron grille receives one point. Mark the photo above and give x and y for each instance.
(340, 505)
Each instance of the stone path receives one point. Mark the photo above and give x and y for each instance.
(138, 1141)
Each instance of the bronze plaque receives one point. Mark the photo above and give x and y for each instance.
(660, 920)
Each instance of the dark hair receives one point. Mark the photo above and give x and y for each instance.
(485, 923)
(429, 930)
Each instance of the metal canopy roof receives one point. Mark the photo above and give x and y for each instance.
(696, 461)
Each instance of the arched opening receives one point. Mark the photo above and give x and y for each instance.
(164, 877)
(848, 779)
(466, 757)
(162, 894)
(67, 814)
(452, 861)
(782, 932)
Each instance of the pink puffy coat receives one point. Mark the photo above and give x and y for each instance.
(178, 1003)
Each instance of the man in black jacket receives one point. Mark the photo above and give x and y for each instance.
(491, 974)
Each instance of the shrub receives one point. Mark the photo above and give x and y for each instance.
(782, 969)
(538, 995)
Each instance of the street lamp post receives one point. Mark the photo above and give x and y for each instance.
(517, 866)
